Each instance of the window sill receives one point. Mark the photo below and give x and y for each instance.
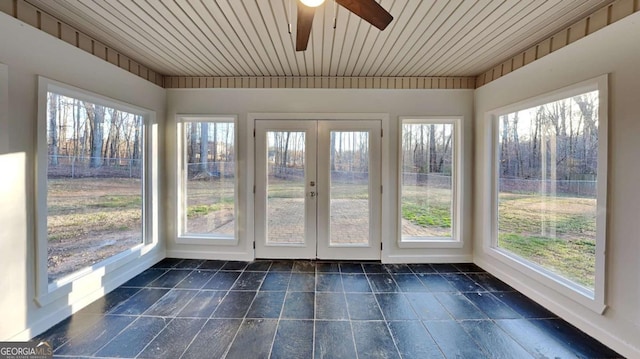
(593, 300)
(429, 242)
(85, 280)
(207, 240)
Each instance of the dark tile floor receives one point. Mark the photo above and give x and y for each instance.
(305, 309)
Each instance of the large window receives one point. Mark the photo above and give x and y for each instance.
(429, 179)
(92, 181)
(550, 183)
(207, 195)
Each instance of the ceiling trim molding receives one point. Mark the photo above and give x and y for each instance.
(31, 15)
(584, 27)
(326, 82)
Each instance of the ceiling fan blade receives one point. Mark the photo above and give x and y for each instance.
(368, 10)
(303, 28)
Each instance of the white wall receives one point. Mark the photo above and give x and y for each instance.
(395, 103)
(4, 104)
(29, 52)
(615, 50)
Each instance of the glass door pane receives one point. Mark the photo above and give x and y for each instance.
(285, 187)
(349, 188)
(333, 216)
(285, 200)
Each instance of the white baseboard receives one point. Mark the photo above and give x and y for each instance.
(426, 258)
(217, 255)
(43, 324)
(563, 311)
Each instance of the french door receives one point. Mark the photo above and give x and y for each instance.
(318, 189)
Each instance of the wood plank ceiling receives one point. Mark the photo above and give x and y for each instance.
(250, 37)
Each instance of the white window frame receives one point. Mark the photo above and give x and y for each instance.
(594, 300)
(455, 241)
(91, 276)
(193, 238)
(4, 107)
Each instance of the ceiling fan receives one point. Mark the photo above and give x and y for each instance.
(368, 10)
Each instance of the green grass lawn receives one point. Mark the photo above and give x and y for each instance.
(194, 211)
(296, 189)
(427, 208)
(438, 215)
(556, 233)
(83, 207)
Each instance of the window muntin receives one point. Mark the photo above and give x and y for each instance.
(429, 187)
(548, 188)
(208, 178)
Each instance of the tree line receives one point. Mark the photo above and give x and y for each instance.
(84, 130)
(349, 151)
(557, 140)
(427, 148)
(209, 144)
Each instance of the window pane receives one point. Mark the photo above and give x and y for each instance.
(427, 168)
(349, 208)
(547, 167)
(94, 183)
(285, 187)
(210, 178)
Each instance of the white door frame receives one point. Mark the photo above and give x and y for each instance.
(306, 248)
(388, 225)
(372, 249)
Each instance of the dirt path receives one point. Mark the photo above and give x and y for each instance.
(69, 255)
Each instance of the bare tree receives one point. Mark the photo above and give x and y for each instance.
(137, 133)
(95, 113)
(215, 146)
(204, 146)
(54, 103)
(445, 150)
(192, 139)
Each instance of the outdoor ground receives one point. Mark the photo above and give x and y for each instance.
(558, 234)
(90, 220)
(93, 219)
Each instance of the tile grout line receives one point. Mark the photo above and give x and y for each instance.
(313, 332)
(410, 305)
(214, 272)
(154, 337)
(93, 354)
(384, 317)
(242, 320)
(199, 331)
(173, 318)
(513, 302)
(194, 337)
(103, 315)
(432, 338)
(532, 353)
(344, 294)
(275, 332)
